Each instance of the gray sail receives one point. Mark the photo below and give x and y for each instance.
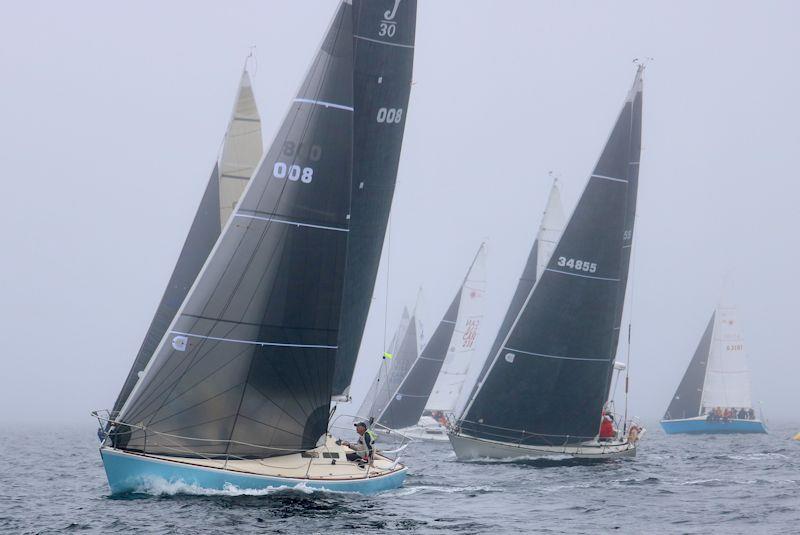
(394, 347)
(246, 366)
(241, 152)
(549, 380)
(392, 371)
(384, 56)
(406, 405)
(686, 401)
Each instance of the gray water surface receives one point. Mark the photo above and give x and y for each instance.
(52, 481)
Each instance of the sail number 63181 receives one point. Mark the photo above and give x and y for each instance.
(577, 265)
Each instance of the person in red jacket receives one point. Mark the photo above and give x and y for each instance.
(607, 431)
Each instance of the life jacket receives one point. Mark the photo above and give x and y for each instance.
(607, 428)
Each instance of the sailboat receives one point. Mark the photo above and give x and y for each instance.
(395, 364)
(442, 366)
(544, 390)
(714, 394)
(241, 151)
(238, 391)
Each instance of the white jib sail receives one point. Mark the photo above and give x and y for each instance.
(241, 149)
(552, 226)
(727, 383)
(461, 352)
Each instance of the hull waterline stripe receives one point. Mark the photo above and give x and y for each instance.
(381, 42)
(294, 223)
(253, 342)
(323, 103)
(582, 275)
(610, 178)
(554, 356)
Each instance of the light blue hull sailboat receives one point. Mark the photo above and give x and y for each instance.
(699, 426)
(129, 472)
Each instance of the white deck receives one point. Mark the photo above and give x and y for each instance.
(298, 466)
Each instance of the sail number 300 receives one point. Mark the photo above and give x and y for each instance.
(293, 172)
(577, 265)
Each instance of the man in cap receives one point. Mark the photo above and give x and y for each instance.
(364, 450)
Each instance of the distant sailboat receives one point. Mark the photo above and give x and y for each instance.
(240, 154)
(396, 361)
(714, 394)
(438, 373)
(238, 390)
(544, 390)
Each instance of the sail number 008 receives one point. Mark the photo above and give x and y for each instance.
(577, 265)
(293, 172)
(389, 115)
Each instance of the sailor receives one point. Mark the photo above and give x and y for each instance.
(363, 450)
(607, 431)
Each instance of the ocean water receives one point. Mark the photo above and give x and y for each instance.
(52, 481)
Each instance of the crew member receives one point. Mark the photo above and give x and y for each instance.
(364, 449)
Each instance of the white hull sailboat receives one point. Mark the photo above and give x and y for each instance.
(467, 447)
(236, 388)
(544, 391)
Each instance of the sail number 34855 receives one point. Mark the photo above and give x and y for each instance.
(577, 265)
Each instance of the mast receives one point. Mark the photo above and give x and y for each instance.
(383, 60)
(240, 154)
(550, 378)
(687, 401)
(408, 400)
(246, 367)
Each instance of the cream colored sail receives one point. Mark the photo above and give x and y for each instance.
(241, 149)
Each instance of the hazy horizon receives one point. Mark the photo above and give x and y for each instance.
(113, 116)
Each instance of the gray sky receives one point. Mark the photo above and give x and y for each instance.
(111, 115)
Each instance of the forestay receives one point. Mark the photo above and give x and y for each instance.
(550, 377)
(239, 156)
(247, 365)
(453, 339)
(384, 55)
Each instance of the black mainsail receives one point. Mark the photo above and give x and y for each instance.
(687, 399)
(408, 401)
(549, 380)
(384, 55)
(246, 367)
(240, 154)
